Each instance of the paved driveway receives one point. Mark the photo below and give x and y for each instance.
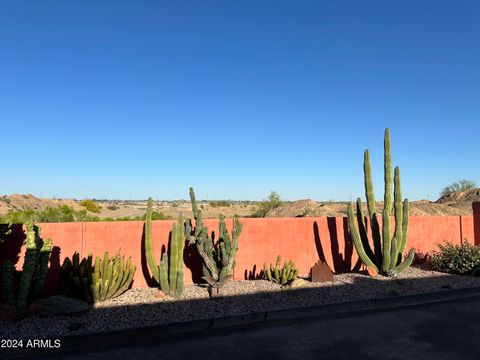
(440, 331)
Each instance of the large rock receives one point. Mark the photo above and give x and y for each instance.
(59, 305)
(298, 283)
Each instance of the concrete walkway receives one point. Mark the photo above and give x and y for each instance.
(440, 331)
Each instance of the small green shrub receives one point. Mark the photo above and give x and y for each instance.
(62, 213)
(5, 200)
(90, 205)
(113, 207)
(264, 207)
(463, 259)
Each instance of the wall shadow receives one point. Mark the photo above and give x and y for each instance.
(476, 222)
(253, 274)
(12, 246)
(146, 273)
(205, 313)
(52, 285)
(341, 263)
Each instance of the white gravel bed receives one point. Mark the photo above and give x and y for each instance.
(140, 307)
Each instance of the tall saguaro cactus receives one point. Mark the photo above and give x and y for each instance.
(218, 259)
(169, 274)
(387, 253)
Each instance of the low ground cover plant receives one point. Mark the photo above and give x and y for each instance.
(461, 259)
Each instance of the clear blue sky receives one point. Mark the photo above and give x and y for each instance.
(236, 98)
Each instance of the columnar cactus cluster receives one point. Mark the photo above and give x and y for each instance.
(280, 275)
(76, 277)
(33, 274)
(107, 279)
(218, 259)
(169, 274)
(111, 277)
(387, 254)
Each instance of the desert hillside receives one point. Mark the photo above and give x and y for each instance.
(454, 204)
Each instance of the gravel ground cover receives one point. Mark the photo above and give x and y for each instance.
(140, 307)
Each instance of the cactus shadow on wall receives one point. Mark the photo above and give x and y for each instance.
(193, 263)
(341, 264)
(148, 278)
(476, 223)
(253, 274)
(51, 284)
(12, 246)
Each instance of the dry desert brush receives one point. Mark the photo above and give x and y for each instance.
(386, 256)
(218, 258)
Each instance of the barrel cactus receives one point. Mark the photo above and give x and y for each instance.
(33, 274)
(280, 275)
(218, 259)
(386, 257)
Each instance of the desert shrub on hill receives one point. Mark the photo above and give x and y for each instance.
(219, 203)
(264, 207)
(90, 205)
(458, 186)
(50, 214)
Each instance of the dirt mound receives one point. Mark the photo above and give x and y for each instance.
(299, 208)
(468, 196)
(17, 202)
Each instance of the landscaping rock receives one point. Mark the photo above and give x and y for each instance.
(59, 305)
(297, 284)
